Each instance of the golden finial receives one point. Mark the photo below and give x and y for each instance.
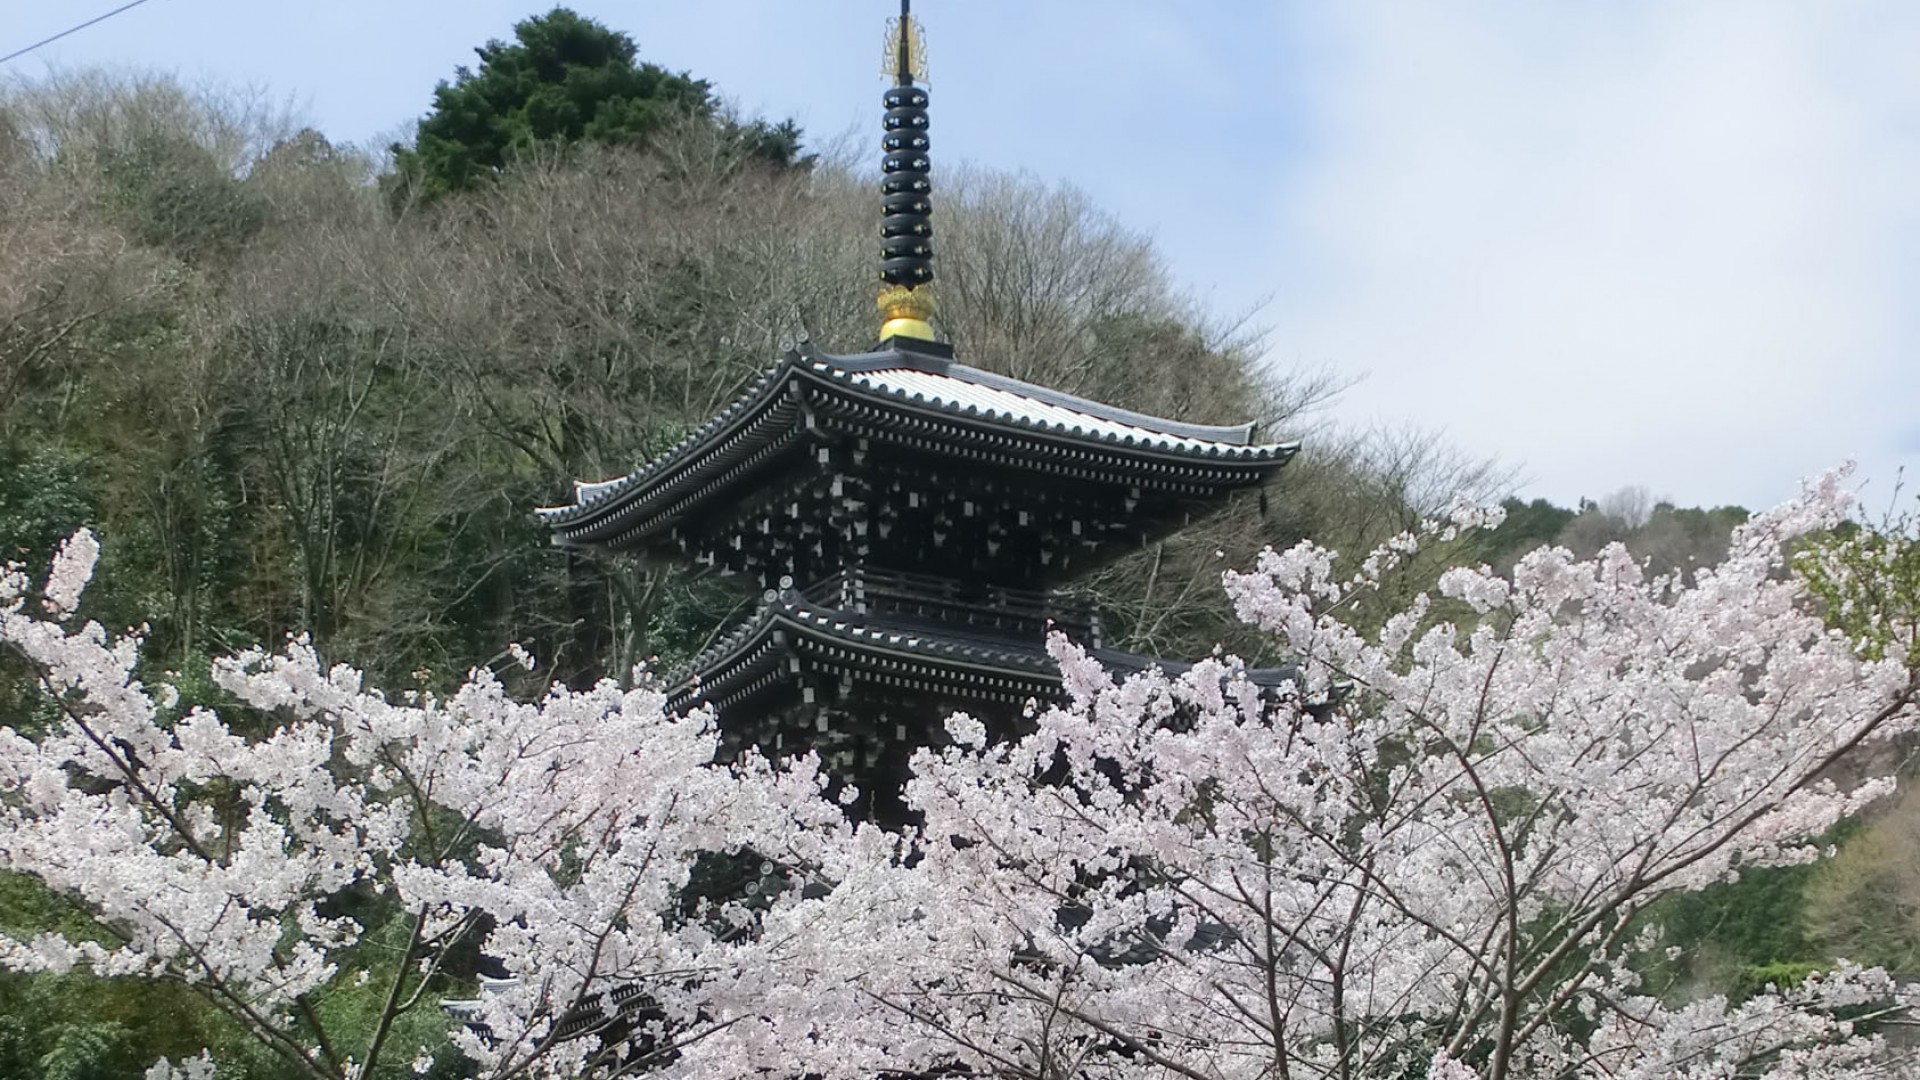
(905, 58)
(905, 312)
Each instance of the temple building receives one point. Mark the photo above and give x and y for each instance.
(906, 519)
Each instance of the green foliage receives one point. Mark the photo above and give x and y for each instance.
(1867, 579)
(768, 143)
(1738, 936)
(563, 80)
(172, 194)
(1529, 525)
(353, 1005)
(83, 1027)
(1732, 934)
(1758, 978)
(46, 492)
(1752, 921)
(36, 1042)
(80, 1027)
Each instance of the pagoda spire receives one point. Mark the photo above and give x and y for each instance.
(906, 226)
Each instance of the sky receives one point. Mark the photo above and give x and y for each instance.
(1658, 243)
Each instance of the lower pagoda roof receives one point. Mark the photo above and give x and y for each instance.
(791, 635)
(911, 395)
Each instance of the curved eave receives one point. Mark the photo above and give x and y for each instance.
(593, 500)
(746, 658)
(598, 507)
(758, 648)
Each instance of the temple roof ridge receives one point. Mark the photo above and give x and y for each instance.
(899, 355)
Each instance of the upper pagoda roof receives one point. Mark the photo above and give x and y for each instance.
(903, 376)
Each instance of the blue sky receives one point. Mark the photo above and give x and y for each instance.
(1670, 244)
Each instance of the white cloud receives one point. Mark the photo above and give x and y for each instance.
(1666, 244)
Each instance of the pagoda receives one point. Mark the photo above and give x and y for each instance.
(905, 518)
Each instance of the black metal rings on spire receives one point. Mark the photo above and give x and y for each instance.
(906, 230)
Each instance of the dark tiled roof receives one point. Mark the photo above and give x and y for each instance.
(924, 381)
(757, 645)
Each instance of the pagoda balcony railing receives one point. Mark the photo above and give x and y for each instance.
(956, 605)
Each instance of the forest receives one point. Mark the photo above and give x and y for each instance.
(301, 388)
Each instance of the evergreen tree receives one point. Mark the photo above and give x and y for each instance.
(562, 80)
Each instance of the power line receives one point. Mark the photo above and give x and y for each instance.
(71, 30)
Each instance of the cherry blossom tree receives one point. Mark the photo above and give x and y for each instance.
(1437, 853)
(555, 837)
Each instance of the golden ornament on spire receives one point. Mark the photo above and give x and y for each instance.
(905, 58)
(906, 312)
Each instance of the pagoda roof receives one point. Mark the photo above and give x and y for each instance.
(902, 377)
(758, 653)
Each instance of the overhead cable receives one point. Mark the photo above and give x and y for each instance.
(17, 53)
